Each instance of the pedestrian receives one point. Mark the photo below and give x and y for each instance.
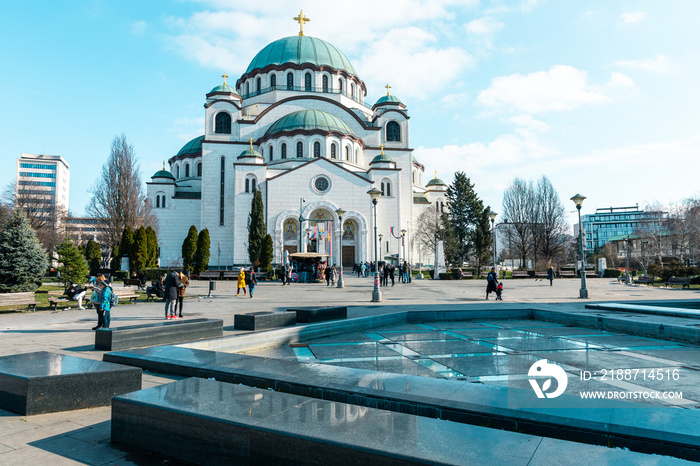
(550, 275)
(106, 302)
(185, 282)
(241, 282)
(327, 273)
(391, 275)
(491, 282)
(381, 275)
(499, 291)
(334, 275)
(283, 274)
(251, 281)
(172, 283)
(76, 293)
(96, 300)
(289, 274)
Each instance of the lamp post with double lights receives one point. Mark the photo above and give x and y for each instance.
(492, 216)
(403, 243)
(374, 193)
(340, 212)
(578, 200)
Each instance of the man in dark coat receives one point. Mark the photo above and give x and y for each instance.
(172, 283)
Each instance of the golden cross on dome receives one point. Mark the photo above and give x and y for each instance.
(387, 89)
(436, 174)
(382, 148)
(224, 76)
(251, 143)
(301, 19)
(163, 164)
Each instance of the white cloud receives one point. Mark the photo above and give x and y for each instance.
(529, 123)
(483, 26)
(660, 63)
(138, 28)
(561, 88)
(634, 17)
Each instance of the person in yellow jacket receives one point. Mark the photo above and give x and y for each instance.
(241, 281)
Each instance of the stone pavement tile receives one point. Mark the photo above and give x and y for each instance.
(31, 455)
(4, 448)
(553, 452)
(61, 445)
(93, 416)
(20, 439)
(98, 454)
(399, 366)
(98, 433)
(12, 424)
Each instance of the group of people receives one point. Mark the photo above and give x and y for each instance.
(100, 298)
(174, 286)
(246, 278)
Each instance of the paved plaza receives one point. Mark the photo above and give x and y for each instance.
(483, 350)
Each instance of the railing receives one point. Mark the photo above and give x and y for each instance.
(317, 90)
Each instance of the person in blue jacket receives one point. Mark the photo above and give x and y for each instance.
(106, 301)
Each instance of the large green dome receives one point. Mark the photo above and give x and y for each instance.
(299, 50)
(309, 120)
(194, 147)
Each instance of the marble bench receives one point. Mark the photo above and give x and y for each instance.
(263, 320)
(161, 333)
(43, 382)
(306, 315)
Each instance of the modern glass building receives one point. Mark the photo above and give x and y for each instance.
(609, 222)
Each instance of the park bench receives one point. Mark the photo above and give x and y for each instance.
(161, 333)
(125, 292)
(151, 293)
(684, 282)
(644, 280)
(213, 274)
(540, 275)
(520, 274)
(19, 299)
(134, 282)
(230, 275)
(567, 274)
(58, 296)
(591, 274)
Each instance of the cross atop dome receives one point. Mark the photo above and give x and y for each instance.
(382, 148)
(387, 88)
(436, 174)
(301, 19)
(224, 76)
(251, 146)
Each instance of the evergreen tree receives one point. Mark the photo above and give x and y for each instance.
(201, 257)
(189, 248)
(73, 266)
(115, 261)
(256, 228)
(139, 257)
(465, 209)
(266, 255)
(152, 248)
(23, 261)
(93, 255)
(126, 246)
(482, 238)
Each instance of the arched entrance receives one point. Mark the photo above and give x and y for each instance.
(290, 236)
(350, 233)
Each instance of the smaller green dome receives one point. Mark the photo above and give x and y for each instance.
(436, 182)
(382, 158)
(163, 174)
(388, 99)
(250, 153)
(309, 120)
(223, 88)
(194, 147)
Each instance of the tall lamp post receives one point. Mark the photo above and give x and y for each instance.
(627, 260)
(644, 256)
(578, 200)
(403, 243)
(492, 216)
(340, 213)
(374, 193)
(380, 245)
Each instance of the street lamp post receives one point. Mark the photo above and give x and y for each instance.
(403, 244)
(627, 260)
(492, 216)
(374, 193)
(578, 200)
(340, 213)
(380, 245)
(644, 256)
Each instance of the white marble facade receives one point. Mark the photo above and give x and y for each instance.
(314, 108)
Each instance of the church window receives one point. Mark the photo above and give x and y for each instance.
(300, 149)
(352, 90)
(271, 153)
(340, 85)
(187, 170)
(414, 177)
(273, 81)
(284, 150)
(388, 189)
(325, 83)
(252, 185)
(307, 82)
(247, 89)
(393, 131)
(347, 153)
(321, 184)
(221, 191)
(162, 201)
(382, 188)
(158, 202)
(199, 170)
(257, 85)
(177, 172)
(247, 185)
(357, 153)
(333, 151)
(222, 123)
(317, 149)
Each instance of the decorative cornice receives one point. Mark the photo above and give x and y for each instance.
(303, 66)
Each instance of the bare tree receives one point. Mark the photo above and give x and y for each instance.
(118, 195)
(550, 223)
(654, 231)
(517, 207)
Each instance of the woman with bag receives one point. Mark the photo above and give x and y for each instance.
(241, 282)
(96, 300)
(184, 283)
(250, 281)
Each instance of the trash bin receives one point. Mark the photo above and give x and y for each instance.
(212, 285)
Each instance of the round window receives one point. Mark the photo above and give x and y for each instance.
(321, 184)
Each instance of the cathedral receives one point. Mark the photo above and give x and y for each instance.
(296, 127)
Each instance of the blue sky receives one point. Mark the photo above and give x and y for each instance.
(600, 96)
